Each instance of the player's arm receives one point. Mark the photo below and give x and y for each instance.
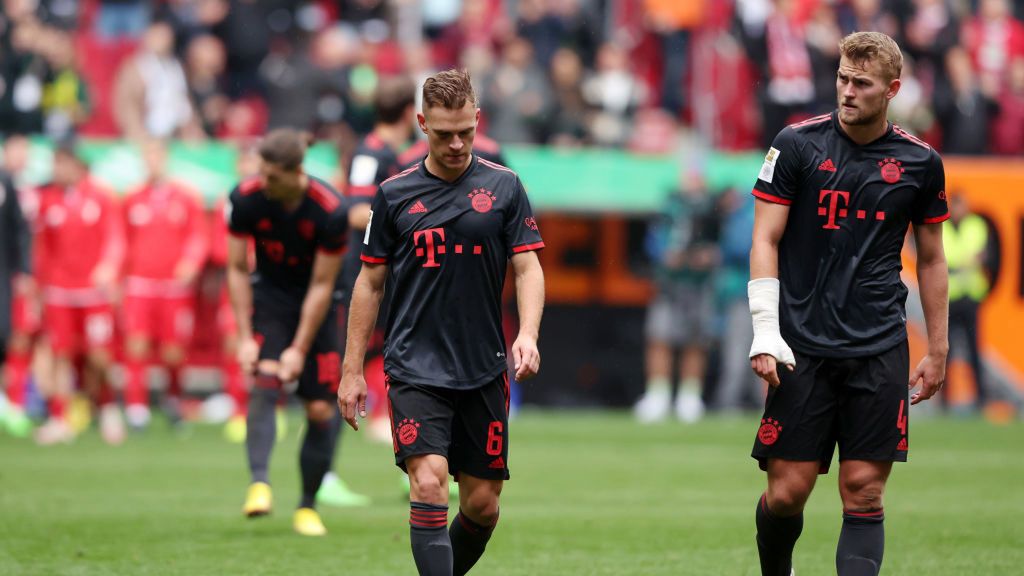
(314, 309)
(114, 245)
(933, 282)
(362, 316)
(359, 215)
(530, 300)
(197, 243)
(240, 294)
(768, 347)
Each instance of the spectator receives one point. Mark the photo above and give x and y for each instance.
(25, 71)
(516, 96)
(911, 108)
(245, 31)
(66, 103)
(291, 84)
(823, 36)
(866, 15)
(568, 125)
(205, 61)
(674, 23)
(118, 19)
(931, 30)
(151, 94)
(966, 110)
(993, 38)
(614, 93)
(1008, 128)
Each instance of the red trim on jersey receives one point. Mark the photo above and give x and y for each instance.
(809, 121)
(527, 247)
(322, 196)
(910, 137)
(415, 152)
(936, 219)
(495, 166)
(403, 173)
(372, 259)
(770, 197)
(331, 251)
(250, 185)
(237, 234)
(373, 141)
(364, 191)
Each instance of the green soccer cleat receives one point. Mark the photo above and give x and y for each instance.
(335, 492)
(18, 424)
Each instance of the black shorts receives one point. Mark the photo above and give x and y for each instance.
(468, 427)
(862, 404)
(274, 324)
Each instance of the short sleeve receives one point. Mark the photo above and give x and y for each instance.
(380, 236)
(363, 177)
(236, 215)
(779, 178)
(931, 206)
(521, 231)
(331, 236)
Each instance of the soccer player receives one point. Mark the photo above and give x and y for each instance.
(299, 225)
(442, 234)
(835, 196)
(14, 258)
(167, 246)
(80, 247)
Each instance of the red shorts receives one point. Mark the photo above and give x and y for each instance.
(26, 315)
(75, 329)
(167, 320)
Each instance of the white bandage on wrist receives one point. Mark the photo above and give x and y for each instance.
(763, 294)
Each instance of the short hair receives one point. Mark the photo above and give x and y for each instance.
(394, 95)
(873, 47)
(449, 89)
(285, 147)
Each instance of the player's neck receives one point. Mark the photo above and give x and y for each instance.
(445, 173)
(866, 133)
(295, 197)
(394, 135)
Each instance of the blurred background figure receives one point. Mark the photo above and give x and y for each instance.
(685, 252)
(166, 247)
(968, 248)
(15, 275)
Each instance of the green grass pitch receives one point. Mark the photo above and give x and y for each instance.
(592, 493)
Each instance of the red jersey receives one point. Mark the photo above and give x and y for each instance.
(165, 227)
(79, 228)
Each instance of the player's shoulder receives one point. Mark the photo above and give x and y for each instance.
(247, 188)
(913, 146)
(324, 196)
(400, 181)
(492, 169)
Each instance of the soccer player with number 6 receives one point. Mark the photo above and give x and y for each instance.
(835, 197)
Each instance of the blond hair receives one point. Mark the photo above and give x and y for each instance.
(861, 47)
(450, 89)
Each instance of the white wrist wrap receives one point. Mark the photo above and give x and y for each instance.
(763, 294)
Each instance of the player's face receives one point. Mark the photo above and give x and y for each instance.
(66, 169)
(154, 154)
(279, 183)
(450, 133)
(863, 92)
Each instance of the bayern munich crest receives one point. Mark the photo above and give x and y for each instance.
(482, 200)
(891, 170)
(408, 431)
(768, 433)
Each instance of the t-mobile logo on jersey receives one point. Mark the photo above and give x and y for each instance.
(828, 201)
(433, 244)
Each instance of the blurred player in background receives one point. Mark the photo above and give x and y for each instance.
(15, 269)
(835, 196)
(166, 248)
(442, 234)
(26, 309)
(299, 225)
(80, 248)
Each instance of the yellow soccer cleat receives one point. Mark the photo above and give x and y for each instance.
(258, 500)
(307, 522)
(234, 430)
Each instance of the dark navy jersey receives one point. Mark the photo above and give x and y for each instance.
(373, 162)
(483, 147)
(447, 246)
(850, 206)
(287, 242)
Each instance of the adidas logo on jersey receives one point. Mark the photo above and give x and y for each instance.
(418, 208)
(827, 166)
(497, 464)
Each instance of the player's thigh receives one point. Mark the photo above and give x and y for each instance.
(421, 420)
(138, 317)
(480, 435)
(798, 423)
(874, 418)
(273, 325)
(61, 326)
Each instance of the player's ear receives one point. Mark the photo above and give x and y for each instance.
(894, 88)
(477, 119)
(422, 121)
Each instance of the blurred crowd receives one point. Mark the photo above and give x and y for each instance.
(614, 73)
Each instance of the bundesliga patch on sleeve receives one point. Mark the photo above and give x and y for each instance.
(366, 235)
(768, 168)
(364, 170)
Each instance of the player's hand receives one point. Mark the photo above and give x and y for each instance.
(352, 397)
(525, 357)
(290, 365)
(105, 277)
(930, 374)
(765, 355)
(186, 272)
(248, 355)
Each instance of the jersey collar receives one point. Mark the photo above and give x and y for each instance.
(465, 174)
(843, 134)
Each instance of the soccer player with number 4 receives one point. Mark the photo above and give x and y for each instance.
(835, 197)
(442, 234)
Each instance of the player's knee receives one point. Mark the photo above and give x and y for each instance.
(428, 484)
(788, 498)
(319, 410)
(137, 348)
(482, 507)
(172, 355)
(862, 493)
(98, 358)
